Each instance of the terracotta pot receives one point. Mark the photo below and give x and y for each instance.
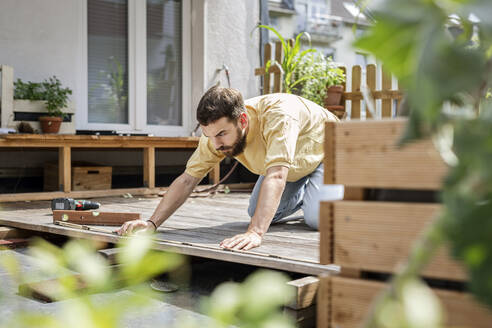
(333, 95)
(50, 124)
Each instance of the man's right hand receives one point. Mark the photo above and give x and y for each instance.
(133, 226)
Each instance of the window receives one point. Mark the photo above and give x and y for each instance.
(107, 61)
(138, 66)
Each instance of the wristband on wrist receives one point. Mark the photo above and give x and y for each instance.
(153, 223)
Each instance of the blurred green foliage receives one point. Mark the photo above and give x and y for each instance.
(255, 303)
(440, 51)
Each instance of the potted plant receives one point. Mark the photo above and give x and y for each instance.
(50, 92)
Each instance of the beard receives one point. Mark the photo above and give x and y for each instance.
(237, 147)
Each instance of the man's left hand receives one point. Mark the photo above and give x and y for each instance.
(244, 241)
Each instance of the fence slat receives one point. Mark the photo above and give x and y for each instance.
(277, 77)
(386, 86)
(356, 78)
(371, 84)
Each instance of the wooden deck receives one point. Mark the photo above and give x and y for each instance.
(195, 229)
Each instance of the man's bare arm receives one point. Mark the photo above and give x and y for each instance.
(268, 200)
(178, 192)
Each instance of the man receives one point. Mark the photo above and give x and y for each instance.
(277, 136)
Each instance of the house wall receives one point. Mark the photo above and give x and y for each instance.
(40, 38)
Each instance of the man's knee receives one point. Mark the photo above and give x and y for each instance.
(311, 216)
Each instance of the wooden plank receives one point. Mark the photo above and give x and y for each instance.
(330, 154)
(9, 233)
(323, 302)
(80, 141)
(149, 167)
(326, 233)
(266, 75)
(371, 84)
(79, 194)
(378, 236)
(65, 169)
(352, 298)
(273, 69)
(305, 292)
(356, 79)
(367, 155)
(94, 217)
(277, 76)
(353, 193)
(303, 318)
(387, 94)
(13, 243)
(91, 178)
(110, 254)
(244, 257)
(386, 104)
(7, 96)
(49, 290)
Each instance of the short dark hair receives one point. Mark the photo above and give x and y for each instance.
(219, 102)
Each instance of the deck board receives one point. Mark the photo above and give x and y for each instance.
(195, 229)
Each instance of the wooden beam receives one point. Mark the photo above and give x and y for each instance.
(94, 217)
(356, 79)
(303, 318)
(13, 243)
(9, 233)
(149, 167)
(277, 76)
(305, 292)
(386, 104)
(323, 302)
(329, 160)
(326, 233)
(378, 237)
(79, 194)
(387, 94)
(65, 169)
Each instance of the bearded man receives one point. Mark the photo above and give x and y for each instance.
(277, 136)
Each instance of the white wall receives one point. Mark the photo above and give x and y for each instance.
(230, 42)
(39, 39)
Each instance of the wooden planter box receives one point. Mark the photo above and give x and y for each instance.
(350, 300)
(372, 238)
(83, 177)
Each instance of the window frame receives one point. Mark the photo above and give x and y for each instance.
(137, 74)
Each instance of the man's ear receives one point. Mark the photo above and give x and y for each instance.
(243, 119)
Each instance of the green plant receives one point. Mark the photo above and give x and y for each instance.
(50, 91)
(321, 72)
(441, 52)
(255, 303)
(291, 58)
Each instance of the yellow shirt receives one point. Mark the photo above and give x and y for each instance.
(284, 129)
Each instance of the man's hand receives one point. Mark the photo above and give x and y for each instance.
(130, 227)
(244, 241)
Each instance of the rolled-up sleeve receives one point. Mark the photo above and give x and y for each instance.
(203, 159)
(280, 133)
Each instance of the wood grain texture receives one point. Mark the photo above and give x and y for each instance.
(195, 229)
(378, 236)
(84, 141)
(371, 84)
(386, 104)
(64, 169)
(356, 79)
(91, 178)
(277, 76)
(94, 217)
(329, 158)
(351, 300)
(326, 233)
(305, 292)
(323, 302)
(266, 75)
(366, 155)
(148, 167)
